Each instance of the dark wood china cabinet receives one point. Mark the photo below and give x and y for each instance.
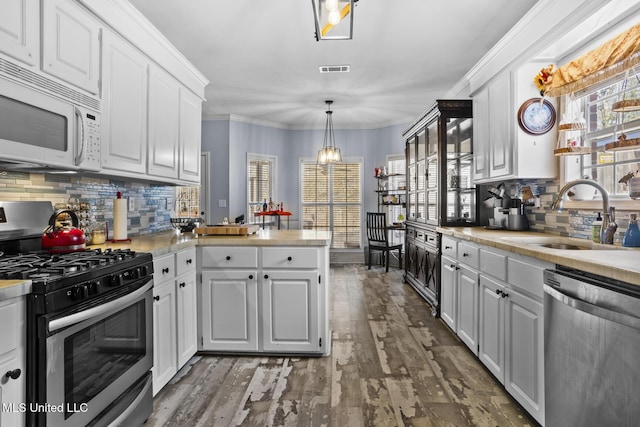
(440, 190)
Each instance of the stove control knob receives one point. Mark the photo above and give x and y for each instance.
(117, 280)
(145, 271)
(79, 292)
(136, 273)
(93, 288)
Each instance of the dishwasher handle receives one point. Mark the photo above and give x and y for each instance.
(596, 310)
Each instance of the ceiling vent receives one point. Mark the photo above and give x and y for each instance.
(334, 68)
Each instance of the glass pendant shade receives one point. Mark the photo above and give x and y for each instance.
(333, 19)
(329, 153)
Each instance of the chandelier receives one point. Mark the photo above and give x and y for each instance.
(329, 152)
(333, 19)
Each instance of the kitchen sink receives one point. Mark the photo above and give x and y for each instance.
(563, 246)
(558, 242)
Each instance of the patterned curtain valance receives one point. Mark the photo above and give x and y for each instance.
(612, 58)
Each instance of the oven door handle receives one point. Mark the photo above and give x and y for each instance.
(116, 304)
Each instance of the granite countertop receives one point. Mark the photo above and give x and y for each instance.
(170, 241)
(612, 261)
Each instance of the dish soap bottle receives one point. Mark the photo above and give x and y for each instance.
(632, 236)
(596, 225)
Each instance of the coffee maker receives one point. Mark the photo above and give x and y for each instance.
(516, 219)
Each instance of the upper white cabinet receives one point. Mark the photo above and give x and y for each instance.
(124, 119)
(502, 149)
(190, 135)
(19, 30)
(71, 44)
(164, 105)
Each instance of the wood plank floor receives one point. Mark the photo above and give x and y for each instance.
(392, 364)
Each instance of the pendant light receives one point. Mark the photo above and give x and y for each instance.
(329, 152)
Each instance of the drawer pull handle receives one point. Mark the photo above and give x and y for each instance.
(165, 270)
(182, 285)
(448, 247)
(289, 258)
(13, 374)
(228, 258)
(465, 254)
(266, 276)
(250, 276)
(189, 261)
(156, 298)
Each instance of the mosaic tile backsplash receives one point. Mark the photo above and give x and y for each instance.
(570, 223)
(96, 194)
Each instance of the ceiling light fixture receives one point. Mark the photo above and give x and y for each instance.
(329, 152)
(330, 19)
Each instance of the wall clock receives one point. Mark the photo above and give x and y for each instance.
(535, 117)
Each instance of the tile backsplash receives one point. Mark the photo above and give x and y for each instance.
(152, 203)
(570, 223)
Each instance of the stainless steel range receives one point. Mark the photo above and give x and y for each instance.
(89, 328)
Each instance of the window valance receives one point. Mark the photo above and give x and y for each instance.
(612, 58)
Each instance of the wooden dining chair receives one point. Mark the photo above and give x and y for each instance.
(377, 234)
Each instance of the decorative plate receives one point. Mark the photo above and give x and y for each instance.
(535, 117)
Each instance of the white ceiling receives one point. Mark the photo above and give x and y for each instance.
(262, 59)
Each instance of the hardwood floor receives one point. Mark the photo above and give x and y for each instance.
(392, 364)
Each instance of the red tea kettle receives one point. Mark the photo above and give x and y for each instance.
(60, 238)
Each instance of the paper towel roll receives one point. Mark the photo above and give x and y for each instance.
(119, 219)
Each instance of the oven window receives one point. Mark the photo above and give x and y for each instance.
(101, 353)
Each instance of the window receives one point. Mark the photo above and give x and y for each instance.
(331, 200)
(604, 126)
(261, 182)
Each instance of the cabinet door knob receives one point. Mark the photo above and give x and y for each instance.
(266, 276)
(165, 270)
(504, 295)
(289, 258)
(498, 292)
(182, 285)
(189, 261)
(465, 254)
(228, 258)
(251, 276)
(13, 374)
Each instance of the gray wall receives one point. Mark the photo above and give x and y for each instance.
(229, 141)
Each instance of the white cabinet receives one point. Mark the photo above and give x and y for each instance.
(494, 304)
(124, 118)
(19, 30)
(71, 44)
(269, 299)
(164, 103)
(229, 313)
(174, 314)
(12, 361)
(165, 363)
(190, 135)
(501, 149)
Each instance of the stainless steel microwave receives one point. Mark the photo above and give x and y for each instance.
(41, 129)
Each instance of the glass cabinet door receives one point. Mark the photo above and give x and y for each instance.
(460, 193)
(410, 154)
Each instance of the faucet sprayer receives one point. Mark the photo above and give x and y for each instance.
(609, 226)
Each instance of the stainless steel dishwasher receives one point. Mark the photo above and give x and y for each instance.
(591, 350)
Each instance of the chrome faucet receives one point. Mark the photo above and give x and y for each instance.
(609, 226)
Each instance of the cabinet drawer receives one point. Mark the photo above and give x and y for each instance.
(164, 268)
(449, 247)
(290, 257)
(494, 264)
(468, 254)
(11, 327)
(229, 257)
(526, 276)
(185, 261)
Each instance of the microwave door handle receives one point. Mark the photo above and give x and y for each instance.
(81, 316)
(80, 142)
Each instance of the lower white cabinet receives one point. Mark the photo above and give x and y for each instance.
(498, 313)
(12, 361)
(174, 314)
(268, 299)
(229, 312)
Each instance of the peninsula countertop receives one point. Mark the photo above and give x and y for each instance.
(170, 241)
(612, 261)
